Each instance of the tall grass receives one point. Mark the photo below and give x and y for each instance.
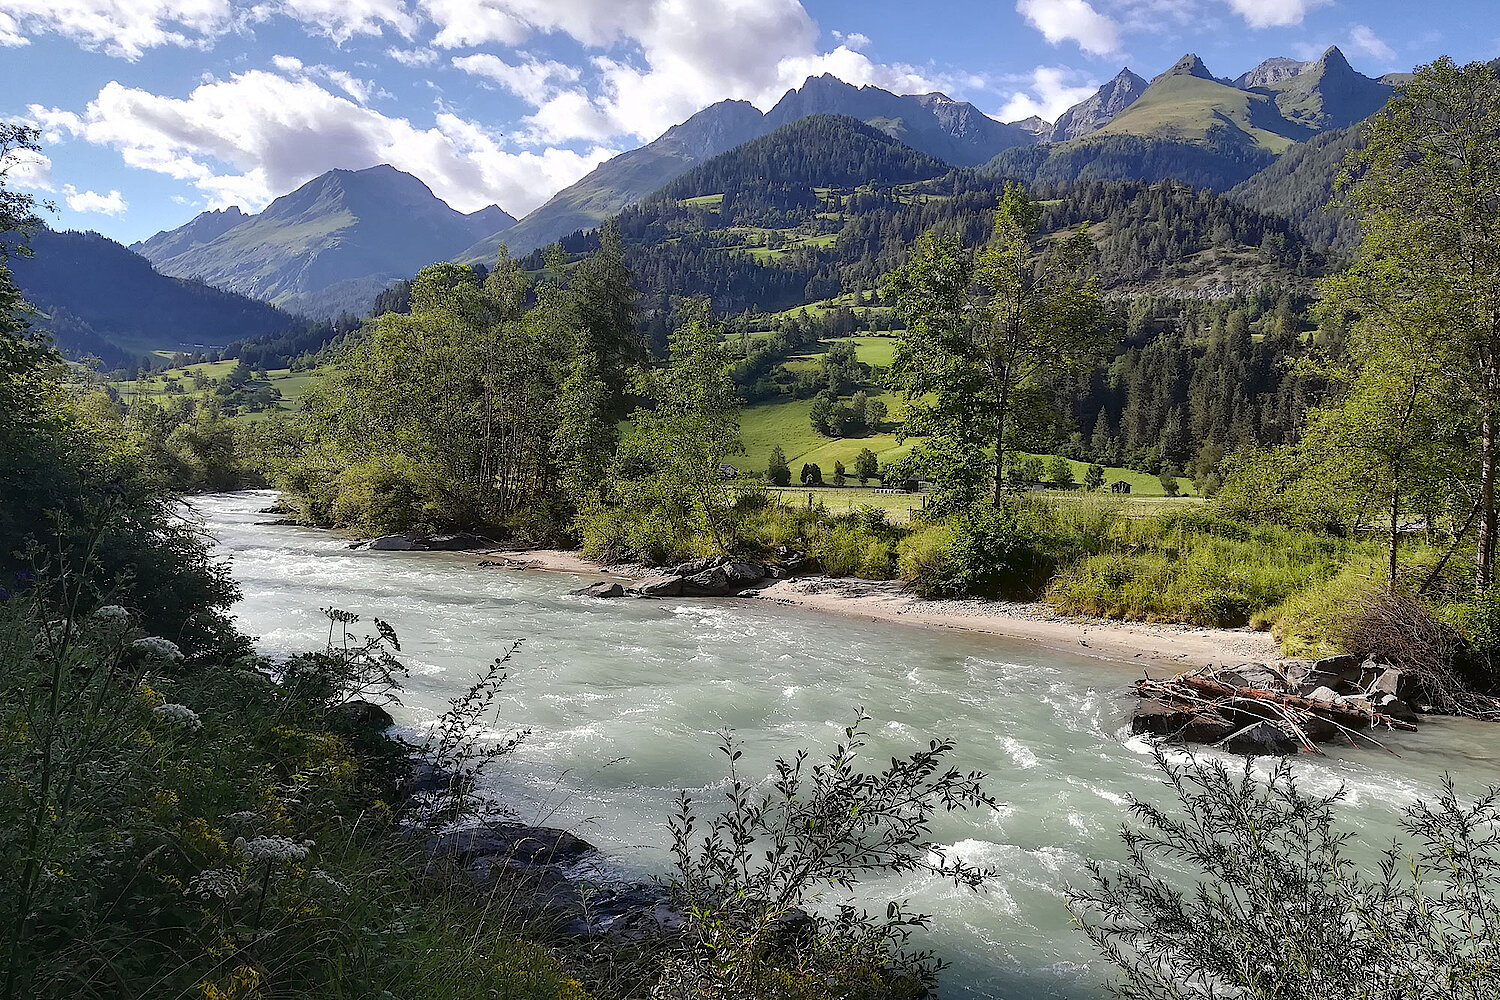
(1201, 568)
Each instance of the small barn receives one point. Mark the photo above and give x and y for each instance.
(1119, 486)
(728, 471)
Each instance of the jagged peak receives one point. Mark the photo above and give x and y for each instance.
(1188, 65)
(1334, 59)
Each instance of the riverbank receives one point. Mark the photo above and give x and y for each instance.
(1167, 646)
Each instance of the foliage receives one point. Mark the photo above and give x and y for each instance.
(1427, 273)
(971, 367)
(1200, 568)
(1279, 907)
(744, 874)
(668, 470)
(778, 473)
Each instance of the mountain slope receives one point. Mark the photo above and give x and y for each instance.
(1300, 186)
(1187, 104)
(1329, 94)
(95, 296)
(626, 179)
(204, 228)
(1100, 109)
(330, 245)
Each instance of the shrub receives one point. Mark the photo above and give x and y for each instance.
(1007, 551)
(744, 873)
(925, 559)
(1245, 889)
(839, 547)
(1315, 622)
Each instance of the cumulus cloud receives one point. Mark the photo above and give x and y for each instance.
(28, 169)
(532, 80)
(1051, 91)
(1273, 13)
(852, 40)
(258, 134)
(1072, 20)
(1363, 40)
(94, 203)
(125, 28)
(413, 57)
(341, 20)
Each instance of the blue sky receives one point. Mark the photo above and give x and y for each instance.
(154, 110)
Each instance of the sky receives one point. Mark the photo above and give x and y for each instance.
(154, 110)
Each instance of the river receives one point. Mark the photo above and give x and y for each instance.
(625, 698)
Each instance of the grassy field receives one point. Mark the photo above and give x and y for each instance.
(898, 507)
(292, 385)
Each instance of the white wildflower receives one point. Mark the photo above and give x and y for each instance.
(272, 849)
(179, 714)
(330, 885)
(216, 883)
(158, 648)
(112, 620)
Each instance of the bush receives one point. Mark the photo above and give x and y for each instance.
(1316, 622)
(925, 559)
(1245, 889)
(744, 874)
(1200, 568)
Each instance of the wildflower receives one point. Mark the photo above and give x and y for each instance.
(156, 647)
(112, 621)
(330, 885)
(180, 715)
(216, 883)
(272, 849)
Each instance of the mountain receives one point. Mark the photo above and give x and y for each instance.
(626, 179)
(1188, 104)
(1192, 126)
(97, 297)
(953, 131)
(329, 246)
(1099, 110)
(1329, 94)
(205, 228)
(1270, 73)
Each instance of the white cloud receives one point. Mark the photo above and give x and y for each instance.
(1049, 94)
(94, 203)
(1273, 13)
(125, 28)
(1072, 20)
(852, 40)
(257, 135)
(341, 20)
(28, 169)
(413, 57)
(1363, 40)
(287, 64)
(532, 80)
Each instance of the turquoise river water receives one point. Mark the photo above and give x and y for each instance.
(625, 698)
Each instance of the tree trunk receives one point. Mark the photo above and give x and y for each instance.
(1000, 440)
(1484, 573)
(1390, 570)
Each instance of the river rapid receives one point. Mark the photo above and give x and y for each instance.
(625, 698)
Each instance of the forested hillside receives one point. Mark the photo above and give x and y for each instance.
(1300, 186)
(94, 296)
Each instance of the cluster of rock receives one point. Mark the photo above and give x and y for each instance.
(1282, 708)
(411, 541)
(717, 576)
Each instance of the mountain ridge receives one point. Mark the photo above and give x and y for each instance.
(329, 245)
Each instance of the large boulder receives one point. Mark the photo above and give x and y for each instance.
(514, 844)
(462, 541)
(393, 543)
(1264, 739)
(665, 585)
(697, 566)
(1252, 675)
(359, 717)
(1175, 722)
(604, 589)
(724, 580)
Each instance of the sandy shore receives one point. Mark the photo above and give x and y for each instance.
(1169, 647)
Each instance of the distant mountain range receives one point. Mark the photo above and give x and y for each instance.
(955, 132)
(334, 243)
(329, 246)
